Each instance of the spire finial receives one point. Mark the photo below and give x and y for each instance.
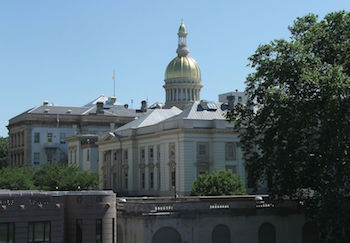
(182, 49)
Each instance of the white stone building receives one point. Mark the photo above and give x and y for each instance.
(164, 151)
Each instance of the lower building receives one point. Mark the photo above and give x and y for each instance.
(100, 217)
(243, 219)
(57, 217)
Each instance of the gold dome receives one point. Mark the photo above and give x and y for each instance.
(183, 68)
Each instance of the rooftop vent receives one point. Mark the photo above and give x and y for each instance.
(69, 111)
(143, 106)
(208, 105)
(99, 108)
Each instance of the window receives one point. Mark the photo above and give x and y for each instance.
(239, 98)
(98, 230)
(79, 231)
(151, 179)
(36, 158)
(171, 150)
(49, 137)
(142, 154)
(151, 153)
(158, 166)
(115, 156)
(201, 149)
(230, 151)
(173, 179)
(88, 155)
(7, 232)
(39, 232)
(126, 179)
(36, 137)
(158, 153)
(126, 155)
(62, 138)
(71, 156)
(143, 180)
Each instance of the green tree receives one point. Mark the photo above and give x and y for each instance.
(296, 125)
(224, 182)
(63, 177)
(4, 142)
(16, 178)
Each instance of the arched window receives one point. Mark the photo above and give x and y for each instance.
(221, 234)
(310, 233)
(166, 235)
(267, 233)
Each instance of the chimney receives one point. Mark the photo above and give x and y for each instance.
(143, 106)
(99, 108)
(231, 101)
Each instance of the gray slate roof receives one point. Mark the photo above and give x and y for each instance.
(70, 110)
(195, 111)
(153, 117)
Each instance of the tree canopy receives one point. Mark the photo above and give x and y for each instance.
(224, 182)
(296, 125)
(16, 178)
(47, 177)
(4, 142)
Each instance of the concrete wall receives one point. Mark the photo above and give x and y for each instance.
(195, 220)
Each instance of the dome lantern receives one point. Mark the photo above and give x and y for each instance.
(182, 75)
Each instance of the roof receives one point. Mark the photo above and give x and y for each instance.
(119, 111)
(203, 110)
(153, 117)
(103, 99)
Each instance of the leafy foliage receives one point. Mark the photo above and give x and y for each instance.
(224, 182)
(16, 178)
(297, 136)
(4, 141)
(48, 177)
(62, 177)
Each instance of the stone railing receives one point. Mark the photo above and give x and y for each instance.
(168, 205)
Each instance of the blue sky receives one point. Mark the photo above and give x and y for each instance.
(65, 51)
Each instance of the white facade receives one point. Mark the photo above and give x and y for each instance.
(83, 152)
(166, 156)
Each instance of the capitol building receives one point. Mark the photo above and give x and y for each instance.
(163, 151)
